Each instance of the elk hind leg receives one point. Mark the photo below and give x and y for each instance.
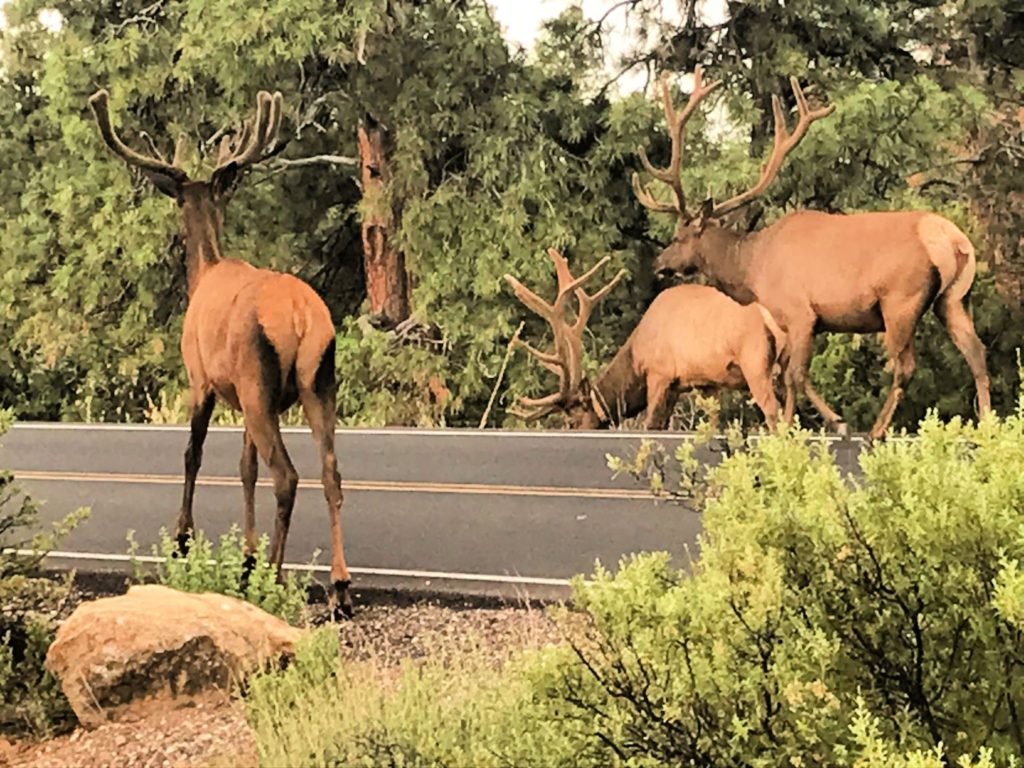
(759, 381)
(262, 425)
(954, 316)
(202, 410)
(319, 408)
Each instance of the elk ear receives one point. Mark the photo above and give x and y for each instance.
(225, 180)
(165, 184)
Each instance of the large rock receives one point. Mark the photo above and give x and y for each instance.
(117, 656)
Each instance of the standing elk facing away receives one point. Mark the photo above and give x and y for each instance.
(258, 339)
(815, 272)
(691, 336)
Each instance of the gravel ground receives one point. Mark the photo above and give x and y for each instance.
(214, 734)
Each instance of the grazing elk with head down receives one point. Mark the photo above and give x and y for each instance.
(257, 339)
(691, 336)
(857, 273)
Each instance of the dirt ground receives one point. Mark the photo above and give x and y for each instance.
(214, 733)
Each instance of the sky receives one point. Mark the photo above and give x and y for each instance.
(521, 21)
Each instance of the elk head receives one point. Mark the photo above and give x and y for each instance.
(574, 396)
(700, 236)
(254, 143)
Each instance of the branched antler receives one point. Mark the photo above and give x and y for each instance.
(784, 144)
(258, 136)
(675, 122)
(566, 359)
(100, 103)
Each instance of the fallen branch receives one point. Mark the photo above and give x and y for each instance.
(501, 374)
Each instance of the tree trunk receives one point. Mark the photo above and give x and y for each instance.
(387, 283)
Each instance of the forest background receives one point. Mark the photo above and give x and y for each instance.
(487, 154)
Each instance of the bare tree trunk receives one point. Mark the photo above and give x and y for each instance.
(387, 283)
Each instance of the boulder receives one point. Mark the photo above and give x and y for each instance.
(116, 657)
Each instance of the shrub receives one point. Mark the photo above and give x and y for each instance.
(828, 621)
(30, 609)
(322, 711)
(220, 567)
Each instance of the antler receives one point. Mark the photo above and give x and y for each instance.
(99, 102)
(257, 137)
(566, 360)
(676, 122)
(784, 144)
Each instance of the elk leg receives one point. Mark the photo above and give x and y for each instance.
(800, 342)
(961, 330)
(320, 413)
(899, 342)
(834, 420)
(262, 426)
(248, 468)
(762, 389)
(202, 410)
(660, 403)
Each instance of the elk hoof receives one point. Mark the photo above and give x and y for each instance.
(341, 600)
(842, 428)
(183, 544)
(247, 567)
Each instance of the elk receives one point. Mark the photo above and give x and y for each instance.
(256, 339)
(691, 336)
(858, 273)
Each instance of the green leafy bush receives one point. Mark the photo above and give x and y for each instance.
(220, 567)
(322, 711)
(30, 609)
(869, 621)
(828, 621)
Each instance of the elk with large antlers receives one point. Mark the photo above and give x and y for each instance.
(257, 339)
(815, 272)
(691, 336)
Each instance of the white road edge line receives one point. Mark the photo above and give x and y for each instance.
(397, 572)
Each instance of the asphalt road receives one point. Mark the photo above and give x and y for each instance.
(475, 512)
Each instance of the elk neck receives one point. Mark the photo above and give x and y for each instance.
(619, 390)
(724, 258)
(201, 226)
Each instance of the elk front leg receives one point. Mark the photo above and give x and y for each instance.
(248, 468)
(899, 342)
(800, 341)
(833, 420)
(202, 410)
(661, 401)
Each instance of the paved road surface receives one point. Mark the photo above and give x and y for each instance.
(476, 512)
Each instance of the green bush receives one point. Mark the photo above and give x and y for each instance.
(220, 567)
(869, 621)
(827, 621)
(322, 711)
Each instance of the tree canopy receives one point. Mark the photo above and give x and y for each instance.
(495, 155)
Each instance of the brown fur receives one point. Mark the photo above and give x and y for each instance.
(690, 337)
(817, 272)
(257, 339)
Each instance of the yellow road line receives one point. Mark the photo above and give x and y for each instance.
(388, 486)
